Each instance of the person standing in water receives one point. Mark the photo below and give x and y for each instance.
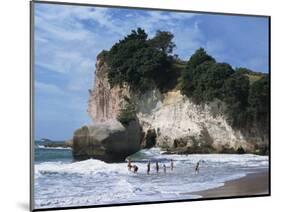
(172, 164)
(148, 167)
(135, 169)
(164, 168)
(157, 167)
(197, 167)
(129, 165)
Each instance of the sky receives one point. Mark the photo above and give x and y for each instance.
(68, 38)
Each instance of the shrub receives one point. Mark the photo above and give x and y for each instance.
(127, 114)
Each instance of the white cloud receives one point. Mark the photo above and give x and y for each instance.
(63, 45)
(216, 48)
(157, 16)
(188, 39)
(68, 38)
(48, 88)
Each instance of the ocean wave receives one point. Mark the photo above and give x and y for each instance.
(58, 148)
(90, 166)
(155, 154)
(91, 182)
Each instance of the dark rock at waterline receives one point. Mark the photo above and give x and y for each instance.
(208, 150)
(188, 150)
(192, 145)
(52, 144)
(108, 141)
(149, 138)
(240, 150)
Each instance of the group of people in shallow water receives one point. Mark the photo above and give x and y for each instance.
(135, 168)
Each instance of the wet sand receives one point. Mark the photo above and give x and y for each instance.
(251, 184)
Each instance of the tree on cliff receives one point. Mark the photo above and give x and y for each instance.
(199, 57)
(235, 94)
(139, 62)
(203, 80)
(259, 102)
(120, 58)
(163, 41)
(188, 82)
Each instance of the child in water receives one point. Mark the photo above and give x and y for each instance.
(197, 168)
(135, 168)
(130, 166)
(164, 168)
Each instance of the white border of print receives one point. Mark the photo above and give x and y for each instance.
(14, 113)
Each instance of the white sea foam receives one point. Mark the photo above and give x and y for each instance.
(91, 182)
(46, 147)
(248, 160)
(87, 167)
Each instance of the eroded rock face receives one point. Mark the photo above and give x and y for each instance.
(183, 127)
(108, 141)
(104, 101)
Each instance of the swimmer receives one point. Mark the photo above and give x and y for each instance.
(157, 167)
(148, 167)
(197, 167)
(135, 168)
(129, 165)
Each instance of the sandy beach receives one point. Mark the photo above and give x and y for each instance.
(251, 184)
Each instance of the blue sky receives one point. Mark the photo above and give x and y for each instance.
(68, 39)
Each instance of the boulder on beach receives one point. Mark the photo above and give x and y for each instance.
(69, 143)
(108, 141)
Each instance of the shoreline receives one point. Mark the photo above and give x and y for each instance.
(252, 184)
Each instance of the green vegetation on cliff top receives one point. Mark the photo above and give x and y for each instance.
(142, 63)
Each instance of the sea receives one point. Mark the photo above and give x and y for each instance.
(59, 181)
